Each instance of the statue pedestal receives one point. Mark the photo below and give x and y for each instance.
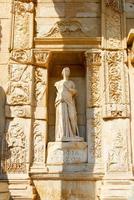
(70, 139)
(66, 153)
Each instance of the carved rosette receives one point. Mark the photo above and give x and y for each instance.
(116, 85)
(93, 62)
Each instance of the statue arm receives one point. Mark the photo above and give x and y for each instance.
(73, 89)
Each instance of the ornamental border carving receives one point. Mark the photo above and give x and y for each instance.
(31, 56)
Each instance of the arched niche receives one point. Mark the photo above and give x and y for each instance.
(75, 61)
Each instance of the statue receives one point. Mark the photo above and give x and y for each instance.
(66, 128)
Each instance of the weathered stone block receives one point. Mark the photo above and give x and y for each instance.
(67, 152)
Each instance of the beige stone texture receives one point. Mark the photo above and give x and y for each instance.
(66, 153)
(69, 190)
(95, 39)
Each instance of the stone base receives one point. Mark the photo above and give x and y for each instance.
(117, 190)
(66, 153)
(17, 190)
(66, 190)
(4, 191)
(70, 139)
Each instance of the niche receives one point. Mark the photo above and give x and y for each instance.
(75, 61)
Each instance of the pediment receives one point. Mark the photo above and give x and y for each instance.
(66, 29)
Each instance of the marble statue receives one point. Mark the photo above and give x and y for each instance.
(66, 128)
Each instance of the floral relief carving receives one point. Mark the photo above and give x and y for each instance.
(15, 148)
(40, 83)
(93, 64)
(39, 141)
(95, 123)
(114, 61)
(116, 81)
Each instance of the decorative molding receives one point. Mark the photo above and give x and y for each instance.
(31, 56)
(66, 28)
(41, 58)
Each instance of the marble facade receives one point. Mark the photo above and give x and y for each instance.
(95, 39)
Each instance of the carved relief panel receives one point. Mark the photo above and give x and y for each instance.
(22, 36)
(15, 146)
(116, 85)
(94, 104)
(19, 87)
(40, 118)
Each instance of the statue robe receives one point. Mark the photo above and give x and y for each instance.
(66, 116)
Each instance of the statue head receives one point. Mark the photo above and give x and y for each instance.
(66, 72)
